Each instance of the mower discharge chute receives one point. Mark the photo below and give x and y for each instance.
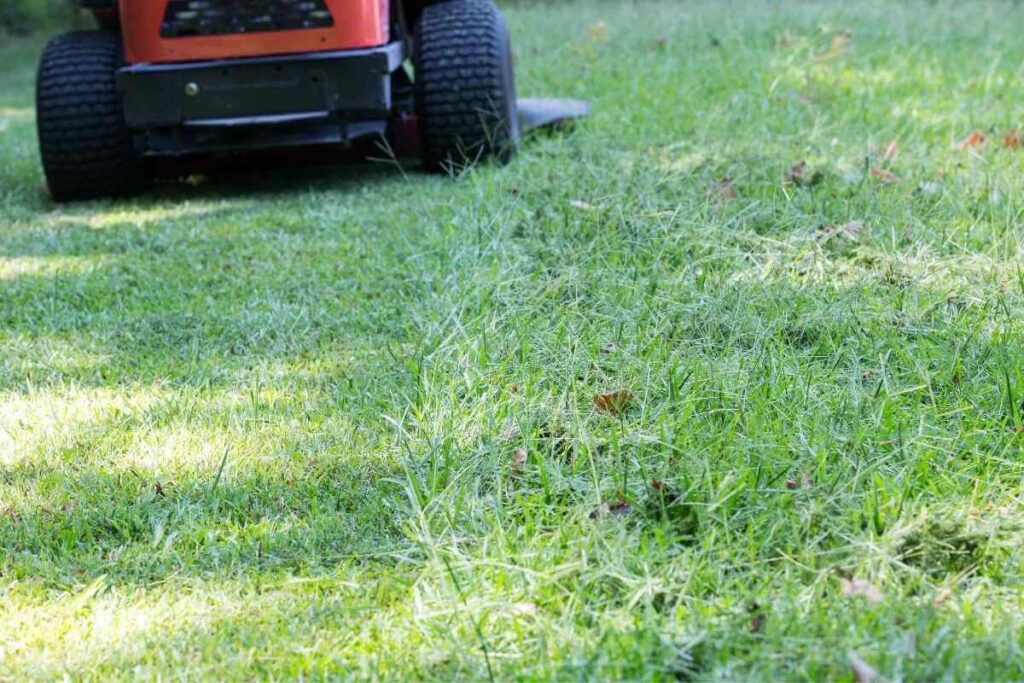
(207, 78)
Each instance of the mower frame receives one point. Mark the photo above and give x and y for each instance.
(432, 78)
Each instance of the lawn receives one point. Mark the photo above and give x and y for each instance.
(724, 383)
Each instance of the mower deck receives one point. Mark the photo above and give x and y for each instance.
(165, 83)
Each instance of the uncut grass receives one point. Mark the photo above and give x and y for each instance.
(264, 426)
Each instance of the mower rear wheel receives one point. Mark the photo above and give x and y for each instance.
(465, 84)
(85, 144)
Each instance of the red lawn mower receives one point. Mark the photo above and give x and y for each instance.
(202, 79)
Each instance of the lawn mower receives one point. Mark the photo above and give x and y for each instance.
(208, 79)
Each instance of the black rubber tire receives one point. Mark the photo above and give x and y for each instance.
(84, 142)
(465, 85)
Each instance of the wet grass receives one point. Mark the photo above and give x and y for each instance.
(266, 426)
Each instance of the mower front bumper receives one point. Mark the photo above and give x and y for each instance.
(221, 105)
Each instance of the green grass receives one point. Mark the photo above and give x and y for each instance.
(264, 427)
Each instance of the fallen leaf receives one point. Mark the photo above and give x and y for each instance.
(973, 141)
(620, 508)
(851, 231)
(757, 623)
(884, 175)
(841, 41)
(666, 494)
(892, 150)
(524, 609)
(801, 483)
(724, 191)
(797, 175)
(1012, 140)
(859, 588)
(598, 32)
(862, 671)
(613, 403)
(518, 459)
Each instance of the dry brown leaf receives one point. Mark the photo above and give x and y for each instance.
(665, 493)
(851, 231)
(859, 588)
(973, 141)
(620, 508)
(892, 150)
(884, 175)
(862, 671)
(518, 459)
(797, 175)
(614, 402)
(795, 484)
(841, 41)
(598, 32)
(724, 191)
(1012, 140)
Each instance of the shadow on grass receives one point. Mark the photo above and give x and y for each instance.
(265, 181)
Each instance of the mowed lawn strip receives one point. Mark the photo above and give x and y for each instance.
(725, 383)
